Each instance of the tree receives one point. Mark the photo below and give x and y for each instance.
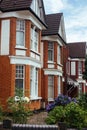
(85, 72)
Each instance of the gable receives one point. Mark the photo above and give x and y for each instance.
(38, 8)
(61, 30)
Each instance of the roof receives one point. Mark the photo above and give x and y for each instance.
(11, 5)
(53, 23)
(77, 49)
(18, 5)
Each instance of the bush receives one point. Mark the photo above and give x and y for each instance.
(18, 107)
(61, 100)
(56, 115)
(74, 116)
(83, 101)
(19, 110)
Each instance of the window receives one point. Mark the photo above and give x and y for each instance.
(68, 67)
(35, 6)
(50, 51)
(73, 68)
(79, 68)
(19, 81)
(20, 32)
(34, 39)
(59, 54)
(59, 85)
(34, 82)
(50, 87)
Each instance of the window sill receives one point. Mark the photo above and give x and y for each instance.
(35, 98)
(50, 99)
(51, 62)
(20, 47)
(59, 64)
(34, 52)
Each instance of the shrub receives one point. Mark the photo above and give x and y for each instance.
(61, 100)
(18, 107)
(19, 110)
(57, 114)
(83, 101)
(74, 116)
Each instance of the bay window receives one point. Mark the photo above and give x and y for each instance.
(20, 32)
(50, 51)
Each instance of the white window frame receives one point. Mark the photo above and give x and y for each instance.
(20, 74)
(50, 84)
(73, 68)
(79, 68)
(34, 83)
(68, 67)
(34, 39)
(50, 49)
(59, 85)
(20, 27)
(59, 55)
(35, 7)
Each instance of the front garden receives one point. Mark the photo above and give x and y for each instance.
(70, 111)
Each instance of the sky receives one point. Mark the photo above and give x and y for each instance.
(75, 17)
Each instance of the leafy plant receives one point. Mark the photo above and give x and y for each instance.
(18, 107)
(74, 116)
(57, 114)
(83, 101)
(61, 100)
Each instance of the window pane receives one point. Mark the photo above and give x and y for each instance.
(20, 38)
(19, 83)
(20, 29)
(50, 51)
(50, 55)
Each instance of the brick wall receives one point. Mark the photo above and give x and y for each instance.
(5, 79)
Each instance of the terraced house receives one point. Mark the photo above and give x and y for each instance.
(21, 24)
(33, 52)
(53, 40)
(74, 59)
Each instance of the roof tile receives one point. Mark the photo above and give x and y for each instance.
(53, 22)
(77, 49)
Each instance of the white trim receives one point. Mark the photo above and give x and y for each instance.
(25, 61)
(5, 34)
(21, 52)
(77, 59)
(50, 99)
(20, 47)
(53, 72)
(35, 98)
(26, 14)
(53, 38)
(81, 81)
